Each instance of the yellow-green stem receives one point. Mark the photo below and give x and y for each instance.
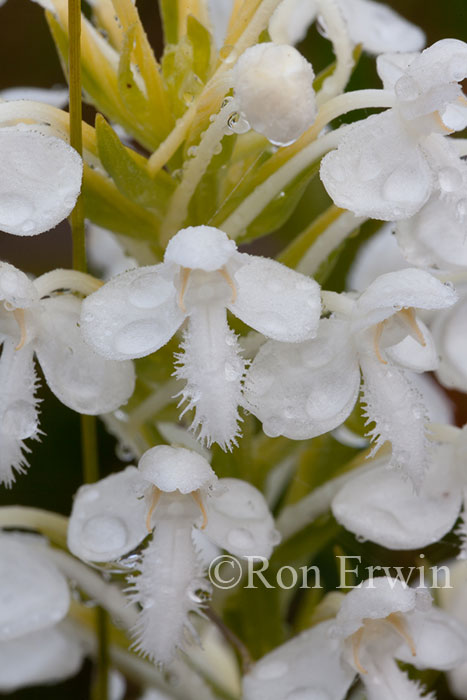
(88, 423)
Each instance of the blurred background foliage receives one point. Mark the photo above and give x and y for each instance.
(28, 58)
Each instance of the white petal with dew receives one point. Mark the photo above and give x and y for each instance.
(41, 180)
(276, 301)
(449, 329)
(378, 170)
(307, 666)
(134, 314)
(15, 287)
(108, 518)
(55, 96)
(239, 520)
(81, 379)
(176, 469)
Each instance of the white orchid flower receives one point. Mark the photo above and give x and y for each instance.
(36, 646)
(105, 253)
(268, 78)
(377, 624)
(307, 389)
(173, 492)
(201, 277)
(56, 96)
(40, 180)
(33, 322)
(389, 164)
(373, 24)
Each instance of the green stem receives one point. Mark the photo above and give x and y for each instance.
(88, 423)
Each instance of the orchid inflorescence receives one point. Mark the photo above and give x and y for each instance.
(272, 412)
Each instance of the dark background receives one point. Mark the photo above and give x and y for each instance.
(27, 57)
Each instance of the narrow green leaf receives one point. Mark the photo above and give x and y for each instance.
(169, 13)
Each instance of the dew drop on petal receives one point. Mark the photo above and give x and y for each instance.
(14, 210)
(88, 495)
(149, 291)
(404, 184)
(240, 537)
(449, 179)
(369, 167)
(104, 532)
(137, 338)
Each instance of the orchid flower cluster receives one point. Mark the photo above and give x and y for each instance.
(274, 411)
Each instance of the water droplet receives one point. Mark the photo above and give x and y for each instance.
(240, 538)
(192, 151)
(148, 603)
(404, 184)
(360, 538)
(150, 290)
(199, 595)
(103, 533)
(406, 89)
(450, 179)
(217, 149)
(124, 453)
(271, 670)
(237, 123)
(457, 68)
(273, 426)
(129, 562)
(89, 494)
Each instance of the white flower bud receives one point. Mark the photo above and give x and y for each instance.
(273, 87)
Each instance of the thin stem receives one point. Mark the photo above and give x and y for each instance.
(76, 136)
(88, 423)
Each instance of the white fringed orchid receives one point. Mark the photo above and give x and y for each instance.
(201, 277)
(389, 164)
(307, 389)
(379, 623)
(449, 330)
(373, 24)
(40, 180)
(172, 494)
(36, 646)
(268, 79)
(33, 322)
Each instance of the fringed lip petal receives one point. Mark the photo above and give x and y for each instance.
(239, 520)
(134, 314)
(276, 301)
(108, 518)
(81, 379)
(41, 179)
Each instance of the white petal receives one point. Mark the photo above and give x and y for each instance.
(435, 237)
(239, 520)
(307, 666)
(134, 314)
(396, 408)
(200, 248)
(108, 517)
(48, 656)
(176, 469)
(375, 599)
(411, 354)
(290, 21)
(403, 289)
(79, 377)
(384, 680)
(379, 28)
(55, 96)
(33, 593)
(377, 256)
(439, 639)
(392, 66)
(304, 390)
(105, 253)
(268, 79)
(219, 12)
(450, 332)
(15, 287)
(41, 179)
(439, 406)
(378, 170)
(276, 301)
(381, 506)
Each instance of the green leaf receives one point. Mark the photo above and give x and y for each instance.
(203, 48)
(129, 90)
(107, 207)
(169, 14)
